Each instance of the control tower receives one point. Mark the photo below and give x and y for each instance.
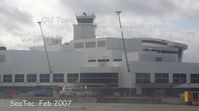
(85, 29)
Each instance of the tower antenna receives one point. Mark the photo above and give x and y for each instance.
(47, 57)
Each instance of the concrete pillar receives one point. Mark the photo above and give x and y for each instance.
(1, 78)
(133, 78)
(139, 90)
(170, 77)
(152, 78)
(79, 78)
(25, 78)
(130, 91)
(38, 78)
(65, 77)
(51, 78)
(13, 78)
(188, 78)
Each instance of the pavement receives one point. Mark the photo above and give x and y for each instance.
(5, 105)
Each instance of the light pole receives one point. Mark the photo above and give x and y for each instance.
(127, 64)
(45, 47)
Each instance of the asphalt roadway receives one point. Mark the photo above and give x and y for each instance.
(7, 105)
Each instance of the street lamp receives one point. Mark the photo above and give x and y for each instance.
(127, 64)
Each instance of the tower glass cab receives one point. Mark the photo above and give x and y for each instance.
(85, 27)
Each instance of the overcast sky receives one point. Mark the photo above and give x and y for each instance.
(175, 20)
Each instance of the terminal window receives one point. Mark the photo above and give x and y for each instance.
(195, 96)
(103, 60)
(101, 44)
(142, 77)
(58, 77)
(79, 45)
(116, 60)
(31, 77)
(19, 77)
(85, 20)
(44, 77)
(92, 60)
(161, 78)
(90, 44)
(110, 79)
(72, 77)
(179, 78)
(194, 78)
(158, 59)
(7, 78)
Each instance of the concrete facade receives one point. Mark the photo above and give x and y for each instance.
(154, 63)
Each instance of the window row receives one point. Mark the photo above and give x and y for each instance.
(90, 44)
(104, 60)
(109, 79)
(163, 78)
(58, 77)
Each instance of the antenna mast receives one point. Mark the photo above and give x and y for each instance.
(45, 47)
(127, 64)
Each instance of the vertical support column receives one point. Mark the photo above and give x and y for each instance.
(152, 78)
(170, 77)
(133, 78)
(51, 78)
(188, 78)
(1, 78)
(13, 78)
(78, 78)
(65, 78)
(138, 90)
(38, 78)
(25, 78)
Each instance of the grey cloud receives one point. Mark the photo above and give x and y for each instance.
(95, 6)
(139, 7)
(143, 8)
(149, 8)
(12, 17)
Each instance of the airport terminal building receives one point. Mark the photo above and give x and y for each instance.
(156, 66)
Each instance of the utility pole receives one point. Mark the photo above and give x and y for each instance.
(127, 64)
(45, 48)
